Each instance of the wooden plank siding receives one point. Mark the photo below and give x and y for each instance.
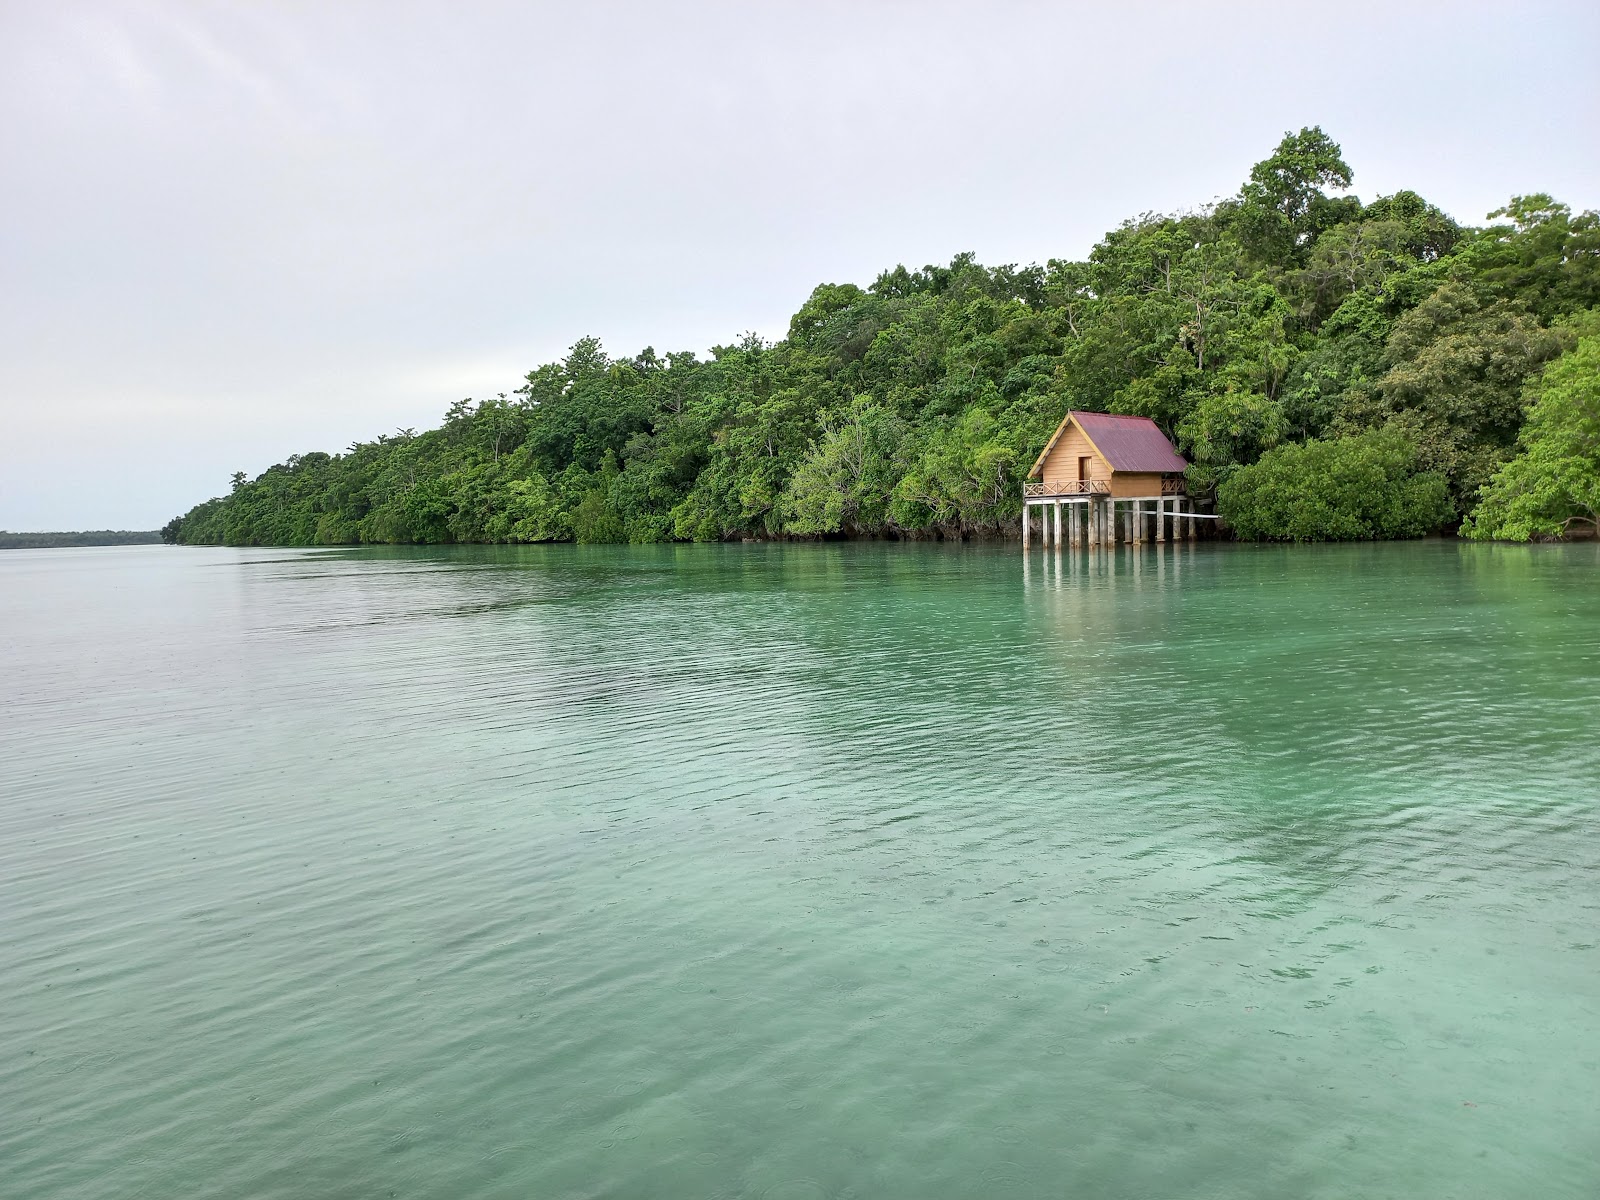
(1129, 484)
(1061, 467)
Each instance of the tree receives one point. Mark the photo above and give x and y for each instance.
(1554, 480)
(844, 482)
(1289, 313)
(1345, 489)
(1456, 371)
(1283, 207)
(1541, 255)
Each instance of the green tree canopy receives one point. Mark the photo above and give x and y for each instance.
(1554, 480)
(1281, 326)
(1344, 489)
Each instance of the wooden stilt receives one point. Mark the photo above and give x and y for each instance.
(1161, 519)
(1027, 515)
(1057, 520)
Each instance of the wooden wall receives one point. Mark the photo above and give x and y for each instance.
(1062, 465)
(1126, 483)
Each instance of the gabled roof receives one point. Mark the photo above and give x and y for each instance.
(1126, 443)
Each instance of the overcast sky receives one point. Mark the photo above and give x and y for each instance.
(234, 231)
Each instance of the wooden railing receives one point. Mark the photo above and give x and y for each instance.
(1172, 485)
(1065, 487)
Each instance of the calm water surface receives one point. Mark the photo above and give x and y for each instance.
(800, 873)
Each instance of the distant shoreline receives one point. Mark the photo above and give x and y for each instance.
(83, 537)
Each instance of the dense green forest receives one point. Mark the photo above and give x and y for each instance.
(1331, 369)
(80, 537)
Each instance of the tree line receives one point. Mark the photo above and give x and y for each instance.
(79, 537)
(1330, 368)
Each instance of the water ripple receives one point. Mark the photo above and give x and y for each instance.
(793, 871)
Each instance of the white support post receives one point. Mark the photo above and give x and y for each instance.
(1057, 520)
(1161, 519)
(1027, 515)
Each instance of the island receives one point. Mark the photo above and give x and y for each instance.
(1329, 368)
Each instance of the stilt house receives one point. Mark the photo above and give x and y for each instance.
(1100, 467)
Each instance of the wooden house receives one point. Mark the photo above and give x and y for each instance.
(1107, 475)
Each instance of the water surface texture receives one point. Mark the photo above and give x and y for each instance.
(800, 873)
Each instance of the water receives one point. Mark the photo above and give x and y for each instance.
(800, 872)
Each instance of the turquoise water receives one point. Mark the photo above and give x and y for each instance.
(800, 872)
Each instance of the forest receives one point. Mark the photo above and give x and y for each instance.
(78, 537)
(1331, 369)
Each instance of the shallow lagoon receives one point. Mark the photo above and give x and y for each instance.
(801, 871)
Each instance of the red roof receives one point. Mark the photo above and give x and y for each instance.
(1130, 443)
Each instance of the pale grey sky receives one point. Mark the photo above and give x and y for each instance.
(234, 231)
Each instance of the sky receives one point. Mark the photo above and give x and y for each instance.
(230, 232)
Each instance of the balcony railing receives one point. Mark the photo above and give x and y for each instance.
(1064, 487)
(1171, 485)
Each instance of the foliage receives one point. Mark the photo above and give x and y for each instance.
(1343, 489)
(1554, 481)
(82, 537)
(1289, 314)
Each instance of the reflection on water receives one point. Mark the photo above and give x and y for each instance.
(792, 871)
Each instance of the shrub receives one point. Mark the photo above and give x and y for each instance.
(1343, 489)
